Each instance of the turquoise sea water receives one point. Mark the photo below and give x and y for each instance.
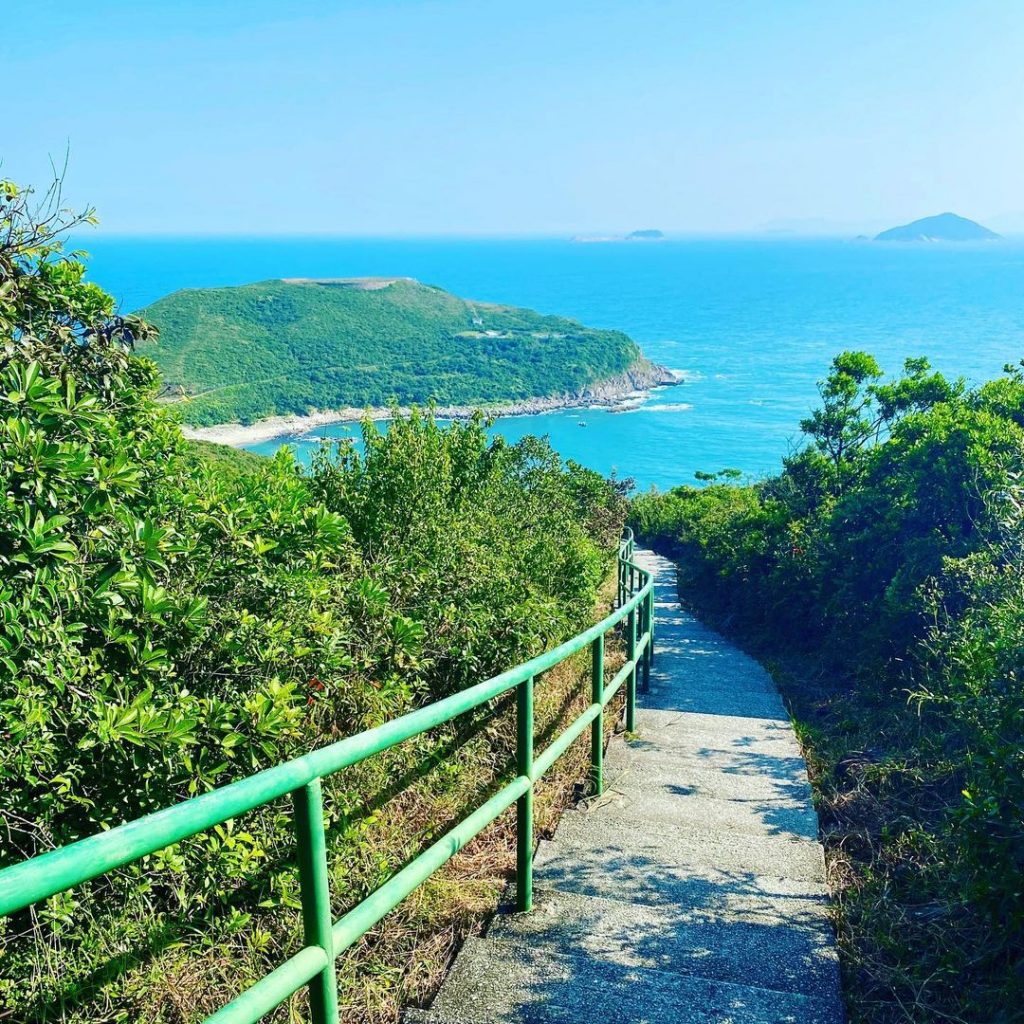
(752, 324)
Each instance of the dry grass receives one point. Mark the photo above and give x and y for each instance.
(881, 796)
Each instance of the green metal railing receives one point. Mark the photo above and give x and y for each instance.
(40, 877)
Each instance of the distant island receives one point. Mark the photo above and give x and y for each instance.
(643, 235)
(944, 227)
(283, 356)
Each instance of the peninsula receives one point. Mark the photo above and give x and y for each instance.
(282, 357)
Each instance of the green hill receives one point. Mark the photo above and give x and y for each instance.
(281, 347)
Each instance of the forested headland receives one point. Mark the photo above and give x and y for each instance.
(880, 574)
(177, 616)
(294, 347)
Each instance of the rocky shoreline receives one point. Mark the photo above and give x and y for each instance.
(621, 391)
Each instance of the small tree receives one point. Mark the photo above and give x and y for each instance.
(49, 313)
(858, 412)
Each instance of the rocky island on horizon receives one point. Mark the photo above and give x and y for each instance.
(642, 235)
(943, 227)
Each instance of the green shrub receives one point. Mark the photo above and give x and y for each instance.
(884, 562)
(174, 620)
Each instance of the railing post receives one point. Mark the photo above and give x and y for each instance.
(650, 623)
(649, 634)
(597, 726)
(316, 898)
(524, 805)
(631, 682)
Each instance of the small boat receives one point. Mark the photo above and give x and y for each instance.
(582, 423)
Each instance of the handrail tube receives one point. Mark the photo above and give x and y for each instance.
(616, 684)
(554, 750)
(632, 659)
(273, 989)
(597, 726)
(315, 893)
(366, 914)
(52, 872)
(57, 870)
(524, 805)
(48, 873)
(287, 979)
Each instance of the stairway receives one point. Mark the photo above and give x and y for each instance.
(693, 889)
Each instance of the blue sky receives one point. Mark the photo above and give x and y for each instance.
(493, 117)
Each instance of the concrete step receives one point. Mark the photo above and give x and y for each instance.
(626, 766)
(496, 980)
(789, 957)
(754, 816)
(702, 892)
(736, 761)
(718, 701)
(706, 659)
(709, 667)
(608, 845)
(791, 770)
(747, 728)
(678, 671)
(719, 739)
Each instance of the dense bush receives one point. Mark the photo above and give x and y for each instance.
(887, 555)
(174, 620)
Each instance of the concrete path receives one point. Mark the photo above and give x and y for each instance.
(693, 890)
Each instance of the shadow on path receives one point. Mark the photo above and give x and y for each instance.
(693, 888)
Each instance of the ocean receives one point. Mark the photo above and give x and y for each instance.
(751, 324)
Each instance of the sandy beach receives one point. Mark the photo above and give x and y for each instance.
(621, 392)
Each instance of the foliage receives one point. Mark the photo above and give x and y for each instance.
(281, 347)
(174, 618)
(227, 459)
(888, 555)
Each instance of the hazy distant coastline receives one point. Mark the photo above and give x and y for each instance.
(642, 235)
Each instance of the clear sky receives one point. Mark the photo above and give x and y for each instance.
(493, 117)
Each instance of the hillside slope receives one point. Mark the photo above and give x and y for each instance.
(295, 346)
